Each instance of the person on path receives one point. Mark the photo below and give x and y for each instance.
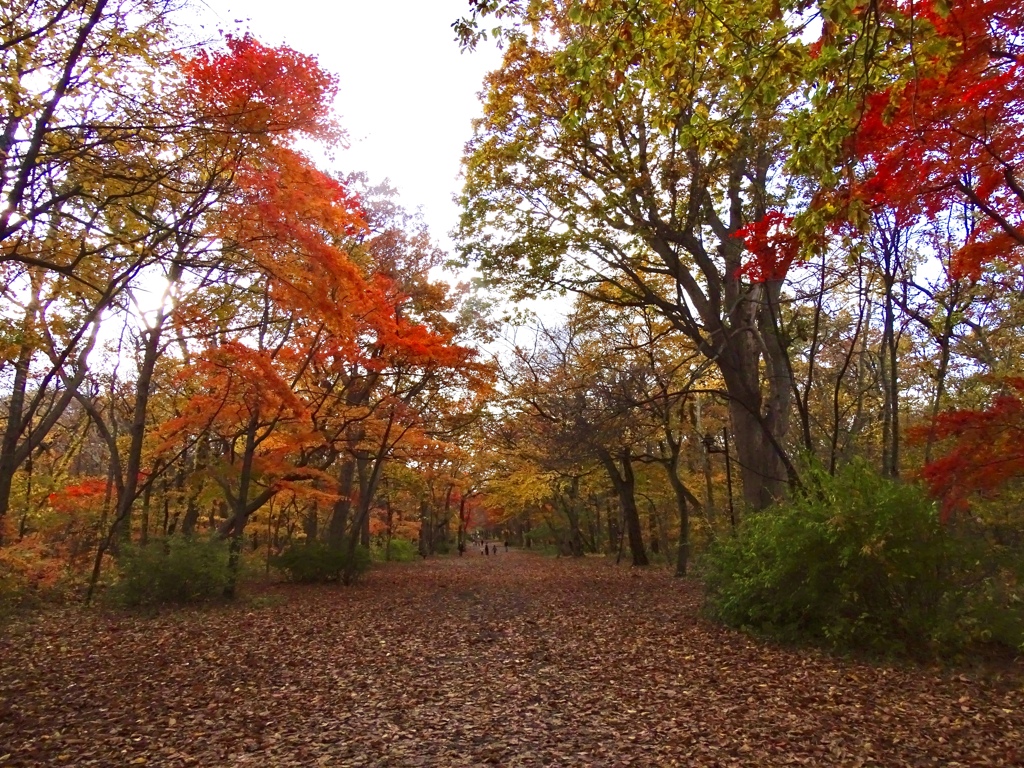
(487, 550)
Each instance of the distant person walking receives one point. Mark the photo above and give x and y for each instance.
(487, 550)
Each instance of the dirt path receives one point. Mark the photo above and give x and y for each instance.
(511, 660)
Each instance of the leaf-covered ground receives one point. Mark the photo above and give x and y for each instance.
(511, 660)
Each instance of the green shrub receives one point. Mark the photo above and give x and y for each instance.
(995, 608)
(174, 570)
(442, 548)
(316, 562)
(400, 551)
(857, 562)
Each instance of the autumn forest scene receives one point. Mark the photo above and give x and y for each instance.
(690, 433)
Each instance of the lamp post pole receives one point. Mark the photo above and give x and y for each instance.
(728, 476)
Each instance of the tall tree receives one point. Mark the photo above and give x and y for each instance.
(81, 143)
(629, 147)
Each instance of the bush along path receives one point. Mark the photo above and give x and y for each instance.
(511, 660)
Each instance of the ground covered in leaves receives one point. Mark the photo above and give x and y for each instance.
(510, 660)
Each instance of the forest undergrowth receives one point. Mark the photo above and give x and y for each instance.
(513, 660)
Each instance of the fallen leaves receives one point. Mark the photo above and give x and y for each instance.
(514, 661)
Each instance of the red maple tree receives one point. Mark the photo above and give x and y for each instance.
(950, 134)
(987, 448)
(947, 139)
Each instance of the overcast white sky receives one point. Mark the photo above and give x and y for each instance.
(407, 93)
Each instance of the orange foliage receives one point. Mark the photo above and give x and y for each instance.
(240, 384)
(30, 562)
(290, 217)
(253, 89)
(332, 329)
(85, 494)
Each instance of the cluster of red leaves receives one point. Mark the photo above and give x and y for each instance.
(510, 660)
(952, 133)
(84, 494)
(282, 213)
(987, 450)
(773, 245)
(251, 88)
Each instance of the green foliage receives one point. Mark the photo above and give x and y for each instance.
(442, 548)
(316, 562)
(859, 562)
(995, 611)
(398, 551)
(176, 570)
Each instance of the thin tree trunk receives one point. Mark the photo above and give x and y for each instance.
(128, 485)
(26, 428)
(425, 529)
(625, 485)
(570, 505)
(147, 497)
(310, 523)
(683, 545)
(192, 509)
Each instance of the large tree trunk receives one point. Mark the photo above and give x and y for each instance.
(338, 523)
(368, 484)
(759, 423)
